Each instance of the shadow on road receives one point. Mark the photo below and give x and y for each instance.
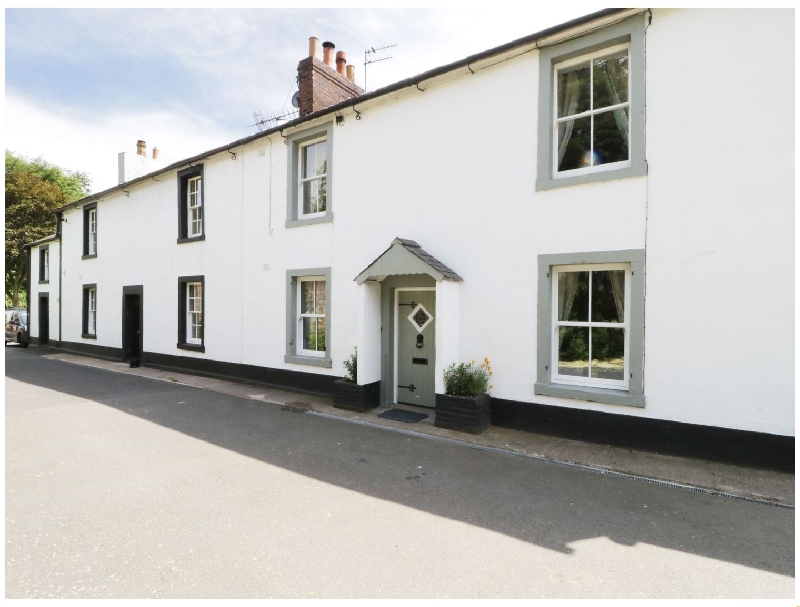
(532, 501)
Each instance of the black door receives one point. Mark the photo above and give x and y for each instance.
(131, 325)
(44, 320)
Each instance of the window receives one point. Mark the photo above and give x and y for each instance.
(191, 305)
(195, 217)
(90, 230)
(194, 312)
(89, 312)
(311, 332)
(591, 327)
(44, 264)
(312, 180)
(310, 177)
(308, 317)
(591, 107)
(592, 113)
(190, 205)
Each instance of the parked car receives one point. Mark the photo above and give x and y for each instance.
(17, 326)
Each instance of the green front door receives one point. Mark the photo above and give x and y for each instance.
(416, 347)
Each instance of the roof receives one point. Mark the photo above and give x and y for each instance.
(42, 240)
(408, 82)
(406, 257)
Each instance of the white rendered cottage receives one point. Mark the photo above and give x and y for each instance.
(604, 209)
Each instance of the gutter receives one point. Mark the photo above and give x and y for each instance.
(349, 103)
(44, 240)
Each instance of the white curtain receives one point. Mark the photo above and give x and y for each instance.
(566, 297)
(618, 287)
(619, 115)
(569, 104)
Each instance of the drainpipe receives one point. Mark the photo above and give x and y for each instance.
(28, 298)
(60, 274)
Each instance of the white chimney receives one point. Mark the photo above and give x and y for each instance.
(130, 165)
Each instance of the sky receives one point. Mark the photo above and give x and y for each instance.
(83, 85)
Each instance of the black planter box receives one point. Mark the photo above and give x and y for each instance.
(463, 413)
(349, 395)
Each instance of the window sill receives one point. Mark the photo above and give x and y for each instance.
(44, 282)
(592, 395)
(192, 347)
(636, 170)
(88, 336)
(191, 239)
(92, 256)
(312, 361)
(326, 218)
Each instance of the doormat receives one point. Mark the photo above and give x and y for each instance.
(401, 415)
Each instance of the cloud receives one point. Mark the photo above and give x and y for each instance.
(73, 142)
(83, 85)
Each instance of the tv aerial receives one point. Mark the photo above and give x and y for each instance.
(261, 122)
(369, 58)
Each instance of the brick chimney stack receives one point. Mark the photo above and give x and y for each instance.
(325, 83)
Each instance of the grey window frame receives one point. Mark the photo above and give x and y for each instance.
(631, 30)
(182, 344)
(295, 142)
(184, 175)
(634, 395)
(292, 314)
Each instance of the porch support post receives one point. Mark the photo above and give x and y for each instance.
(369, 332)
(447, 328)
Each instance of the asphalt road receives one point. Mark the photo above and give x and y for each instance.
(127, 487)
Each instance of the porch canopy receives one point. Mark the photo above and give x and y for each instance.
(406, 257)
(376, 347)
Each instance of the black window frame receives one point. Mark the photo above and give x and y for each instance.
(182, 344)
(184, 175)
(86, 209)
(85, 312)
(42, 250)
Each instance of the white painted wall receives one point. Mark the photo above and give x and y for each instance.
(369, 333)
(720, 241)
(454, 168)
(51, 288)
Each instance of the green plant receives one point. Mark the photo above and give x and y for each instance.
(468, 379)
(351, 364)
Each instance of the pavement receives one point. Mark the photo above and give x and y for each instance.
(682, 472)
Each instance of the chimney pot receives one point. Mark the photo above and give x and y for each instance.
(327, 52)
(141, 148)
(351, 73)
(341, 59)
(317, 88)
(313, 46)
(155, 153)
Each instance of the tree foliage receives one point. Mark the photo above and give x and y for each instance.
(74, 184)
(34, 189)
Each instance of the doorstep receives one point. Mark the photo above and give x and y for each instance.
(769, 485)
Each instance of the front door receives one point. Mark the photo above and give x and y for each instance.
(416, 347)
(132, 326)
(44, 320)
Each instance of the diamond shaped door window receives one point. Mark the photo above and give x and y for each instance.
(420, 318)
